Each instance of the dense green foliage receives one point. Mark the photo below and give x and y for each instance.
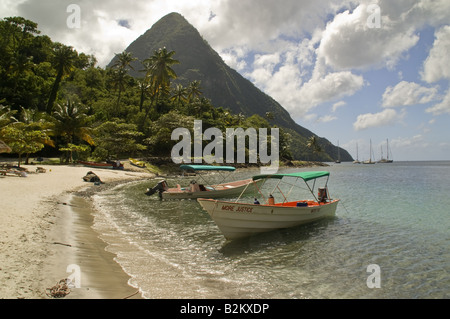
(57, 100)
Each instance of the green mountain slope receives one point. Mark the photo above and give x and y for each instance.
(221, 84)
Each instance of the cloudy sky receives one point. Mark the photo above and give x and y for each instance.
(349, 71)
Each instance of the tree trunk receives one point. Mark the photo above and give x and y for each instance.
(54, 92)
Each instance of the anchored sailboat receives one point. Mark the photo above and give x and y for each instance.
(357, 161)
(369, 161)
(386, 160)
(338, 161)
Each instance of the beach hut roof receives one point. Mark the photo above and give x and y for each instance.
(4, 148)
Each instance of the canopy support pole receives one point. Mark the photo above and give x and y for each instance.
(289, 193)
(242, 193)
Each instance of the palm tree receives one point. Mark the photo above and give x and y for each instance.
(124, 60)
(158, 69)
(193, 91)
(118, 84)
(71, 121)
(179, 94)
(21, 65)
(6, 115)
(143, 90)
(121, 67)
(313, 145)
(64, 61)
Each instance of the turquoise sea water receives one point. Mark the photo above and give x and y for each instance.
(395, 216)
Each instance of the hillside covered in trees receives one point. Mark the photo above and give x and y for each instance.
(55, 101)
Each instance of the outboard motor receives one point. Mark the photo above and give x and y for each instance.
(160, 187)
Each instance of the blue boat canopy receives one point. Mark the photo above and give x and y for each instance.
(306, 176)
(207, 168)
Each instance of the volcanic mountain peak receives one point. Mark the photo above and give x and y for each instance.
(224, 86)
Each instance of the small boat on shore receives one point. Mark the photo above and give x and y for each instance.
(137, 163)
(107, 165)
(238, 220)
(195, 190)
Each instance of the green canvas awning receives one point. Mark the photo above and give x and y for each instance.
(207, 168)
(306, 176)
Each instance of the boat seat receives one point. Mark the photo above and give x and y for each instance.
(294, 204)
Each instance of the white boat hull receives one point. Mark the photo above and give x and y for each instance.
(238, 220)
(217, 191)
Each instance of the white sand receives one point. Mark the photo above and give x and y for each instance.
(29, 210)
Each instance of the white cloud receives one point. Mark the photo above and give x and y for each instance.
(349, 41)
(370, 120)
(417, 141)
(8, 8)
(285, 85)
(101, 32)
(338, 105)
(408, 93)
(235, 58)
(346, 42)
(441, 108)
(436, 66)
(263, 68)
(302, 53)
(326, 119)
(332, 86)
(418, 13)
(254, 23)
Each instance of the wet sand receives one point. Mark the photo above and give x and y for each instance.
(79, 253)
(46, 235)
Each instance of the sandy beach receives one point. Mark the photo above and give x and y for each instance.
(46, 235)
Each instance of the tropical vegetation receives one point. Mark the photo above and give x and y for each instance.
(55, 101)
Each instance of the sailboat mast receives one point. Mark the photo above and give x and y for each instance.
(387, 149)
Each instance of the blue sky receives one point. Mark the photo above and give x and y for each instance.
(329, 63)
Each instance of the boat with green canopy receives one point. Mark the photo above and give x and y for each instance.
(238, 219)
(204, 189)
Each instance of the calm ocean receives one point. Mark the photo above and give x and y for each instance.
(394, 216)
